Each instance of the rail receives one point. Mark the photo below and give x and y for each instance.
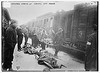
(73, 48)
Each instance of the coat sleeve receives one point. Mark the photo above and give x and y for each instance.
(9, 37)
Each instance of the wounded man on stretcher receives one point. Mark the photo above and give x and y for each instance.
(43, 57)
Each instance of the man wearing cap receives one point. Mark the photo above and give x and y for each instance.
(10, 42)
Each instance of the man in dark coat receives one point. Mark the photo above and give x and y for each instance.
(5, 23)
(91, 56)
(10, 42)
(35, 41)
(20, 37)
(25, 32)
(43, 45)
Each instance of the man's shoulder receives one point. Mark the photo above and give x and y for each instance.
(9, 29)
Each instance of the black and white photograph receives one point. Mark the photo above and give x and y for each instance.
(49, 36)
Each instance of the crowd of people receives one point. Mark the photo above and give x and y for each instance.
(13, 34)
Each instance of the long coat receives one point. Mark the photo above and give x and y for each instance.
(91, 52)
(10, 42)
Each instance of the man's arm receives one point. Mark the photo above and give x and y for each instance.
(9, 37)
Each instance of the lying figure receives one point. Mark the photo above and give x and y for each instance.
(43, 57)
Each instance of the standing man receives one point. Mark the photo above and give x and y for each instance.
(26, 34)
(10, 42)
(91, 56)
(35, 41)
(20, 38)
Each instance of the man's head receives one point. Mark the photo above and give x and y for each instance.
(18, 27)
(13, 23)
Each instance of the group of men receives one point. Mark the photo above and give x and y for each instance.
(14, 35)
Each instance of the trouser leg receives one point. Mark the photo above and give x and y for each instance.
(26, 39)
(20, 39)
(8, 57)
(32, 41)
(43, 45)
